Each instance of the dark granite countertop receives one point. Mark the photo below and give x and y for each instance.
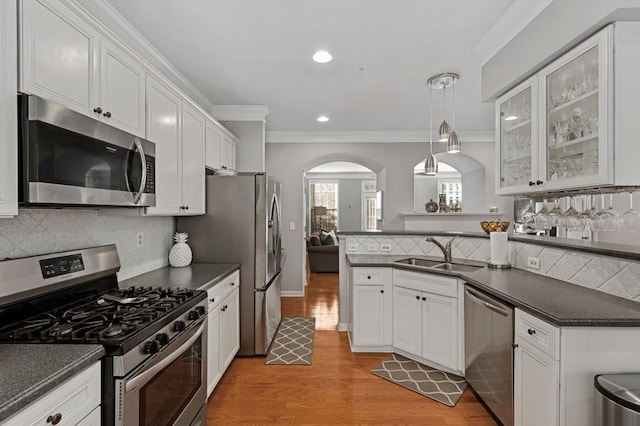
(558, 302)
(31, 371)
(197, 276)
(624, 251)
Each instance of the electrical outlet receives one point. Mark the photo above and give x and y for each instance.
(533, 263)
(352, 247)
(372, 247)
(292, 226)
(140, 239)
(385, 247)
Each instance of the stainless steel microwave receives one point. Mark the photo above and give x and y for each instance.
(70, 159)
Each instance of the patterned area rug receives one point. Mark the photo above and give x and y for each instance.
(293, 342)
(435, 384)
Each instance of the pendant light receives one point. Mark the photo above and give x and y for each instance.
(431, 164)
(453, 144)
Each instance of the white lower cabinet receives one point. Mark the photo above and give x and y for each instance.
(425, 325)
(71, 403)
(371, 328)
(223, 337)
(536, 382)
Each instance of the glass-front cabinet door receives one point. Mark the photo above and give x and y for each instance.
(575, 112)
(516, 139)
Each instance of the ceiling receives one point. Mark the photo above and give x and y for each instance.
(258, 52)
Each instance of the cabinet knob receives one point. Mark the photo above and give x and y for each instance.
(97, 110)
(417, 297)
(213, 299)
(531, 331)
(424, 298)
(107, 114)
(55, 419)
(186, 207)
(531, 183)
(368, 277)
(515, 345)
(539, 182)
(232, 284)
(381, 291)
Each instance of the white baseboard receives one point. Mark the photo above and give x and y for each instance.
(342, 326)
(292, 294)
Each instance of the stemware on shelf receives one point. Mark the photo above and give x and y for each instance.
(571, 217)
(555, 217)
(631, 218)
(602, 218)
(542, 217)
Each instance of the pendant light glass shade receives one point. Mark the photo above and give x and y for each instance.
(453, 144)
(431, 165)
(443, 131)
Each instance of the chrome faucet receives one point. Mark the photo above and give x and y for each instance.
(446, 249)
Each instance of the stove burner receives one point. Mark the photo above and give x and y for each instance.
(113, 330)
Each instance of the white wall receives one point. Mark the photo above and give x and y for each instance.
(287, 162)
(250, 147)
(42, 231)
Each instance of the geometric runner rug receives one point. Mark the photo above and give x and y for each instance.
(435, 384)
(293, 342)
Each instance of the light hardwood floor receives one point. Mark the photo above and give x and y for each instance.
(337, 389)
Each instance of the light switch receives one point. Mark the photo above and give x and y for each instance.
(292, 226)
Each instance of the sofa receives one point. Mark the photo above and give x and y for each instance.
(323, 257)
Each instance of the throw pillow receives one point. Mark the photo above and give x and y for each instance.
(315, 240)
(325, 239)
(334, 237)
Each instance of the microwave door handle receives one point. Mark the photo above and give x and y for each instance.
(147, 375)
(143, 161)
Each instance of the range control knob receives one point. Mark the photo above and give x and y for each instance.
(162, 338)
(179, 325)
(201, 310)
(194, 315)
(151, 347)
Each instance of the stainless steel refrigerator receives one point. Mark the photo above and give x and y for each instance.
(243, 225)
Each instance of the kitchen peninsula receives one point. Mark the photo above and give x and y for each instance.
(574, 317)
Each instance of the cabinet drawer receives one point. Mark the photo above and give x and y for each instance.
(538, 333)
(368, 276)
(218, 292)
(73, 400)
(429, 283)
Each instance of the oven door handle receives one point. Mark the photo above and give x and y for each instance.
(151, 372)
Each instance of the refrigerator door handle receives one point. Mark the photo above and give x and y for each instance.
(266, 287)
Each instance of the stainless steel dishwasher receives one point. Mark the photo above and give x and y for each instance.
(488, 338)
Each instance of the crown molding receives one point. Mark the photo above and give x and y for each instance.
(369, 137)
(517, 16)
(120, 29)
(240, 112)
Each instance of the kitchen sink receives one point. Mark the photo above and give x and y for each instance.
(456, 266)
(419, 262)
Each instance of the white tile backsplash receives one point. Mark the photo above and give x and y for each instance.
(620, 277)
(41, 231)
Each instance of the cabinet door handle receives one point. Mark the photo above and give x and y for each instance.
(97, 110)
(417, 297)
(381, 291)
(212, 300)
(186, 207)
(531, 331)
(107, 114)
(233, 283)
(424, 298)
(531, 183)
(368, 277)
(55, 419)
(515, 345)
(539, 182)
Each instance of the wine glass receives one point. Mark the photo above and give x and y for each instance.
(571, 216)
(555, 217)
(542, 216)
(631, 218)
(615, 219)
(602, 217)
(586, 216)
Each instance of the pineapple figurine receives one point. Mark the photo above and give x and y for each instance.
(180, 254)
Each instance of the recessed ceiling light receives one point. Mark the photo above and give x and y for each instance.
(323, 119)
(322, 56)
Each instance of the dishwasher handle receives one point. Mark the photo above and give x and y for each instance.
(488, 305)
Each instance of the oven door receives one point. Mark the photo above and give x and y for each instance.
(169, 389)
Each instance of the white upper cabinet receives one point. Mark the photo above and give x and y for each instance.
(576, 148)
(220, 147)
(65, 59)
(163, 128)
(192, 163)
(583, 127)
(122, 89)
(8, 111)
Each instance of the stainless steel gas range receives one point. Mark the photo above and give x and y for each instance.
(154, 372)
